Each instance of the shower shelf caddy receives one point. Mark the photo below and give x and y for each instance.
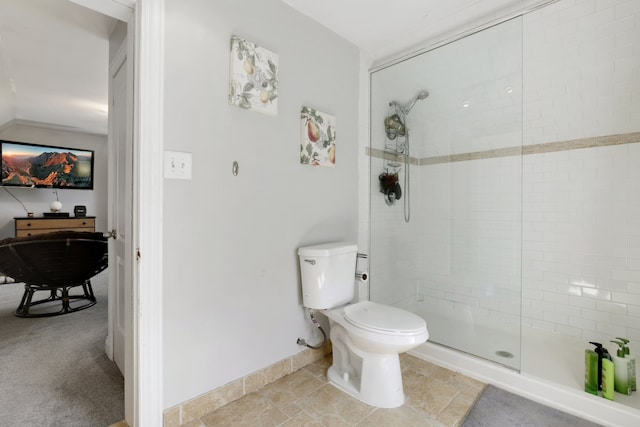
(393, 159)
(394, 153)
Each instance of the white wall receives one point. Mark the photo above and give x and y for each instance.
(231, 286)
(7, 108)
(37, 200)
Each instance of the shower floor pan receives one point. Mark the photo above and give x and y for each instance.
(496, 341)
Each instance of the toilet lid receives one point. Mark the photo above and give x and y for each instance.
(369, 315)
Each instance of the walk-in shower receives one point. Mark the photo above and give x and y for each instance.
(445, 264)
(523, 243)
(397, 133)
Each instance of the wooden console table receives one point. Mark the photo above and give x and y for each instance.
(32, 226)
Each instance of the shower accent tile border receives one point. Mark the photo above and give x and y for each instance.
(574, 144)
(386, 155)
(476, 155)
(549, 147)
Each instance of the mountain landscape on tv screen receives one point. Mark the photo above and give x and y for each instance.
(47, 170)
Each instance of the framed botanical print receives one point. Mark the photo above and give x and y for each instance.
(253, 81)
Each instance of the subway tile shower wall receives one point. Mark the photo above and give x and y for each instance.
(549, 232)
(580, 70)
(581, 242)
(581, 207)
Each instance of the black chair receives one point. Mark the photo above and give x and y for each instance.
(57, 263)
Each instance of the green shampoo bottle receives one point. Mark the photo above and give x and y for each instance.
(608, 373)
(593, 369)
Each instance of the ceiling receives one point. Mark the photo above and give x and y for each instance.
(383, 29)
(54, 64)
(54, 53)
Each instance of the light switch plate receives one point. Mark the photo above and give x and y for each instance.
(177, 165)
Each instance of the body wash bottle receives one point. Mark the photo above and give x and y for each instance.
(632, 364)
(622, 370)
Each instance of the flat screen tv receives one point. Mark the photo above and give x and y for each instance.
(33, 165)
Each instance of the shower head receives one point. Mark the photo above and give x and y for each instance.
(421, 95)
(404, 110)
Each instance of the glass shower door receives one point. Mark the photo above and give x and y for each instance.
(457, 262)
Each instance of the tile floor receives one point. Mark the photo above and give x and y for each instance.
(434, 397)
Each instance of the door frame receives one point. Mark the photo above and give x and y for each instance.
(145, 407)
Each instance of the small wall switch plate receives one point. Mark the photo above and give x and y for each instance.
(177, 165)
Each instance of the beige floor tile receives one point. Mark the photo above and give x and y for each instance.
(194, 423)
(291, 410)
(467, 386)
(456, 411)
(291, 388)
(442, 374)
(252, 410)
(303, 420)
(333, 407)
(428, 395)
(435, 397)
(418, 365)
(319, 368)
(403, 416)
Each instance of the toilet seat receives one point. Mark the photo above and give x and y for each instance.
(383, 319)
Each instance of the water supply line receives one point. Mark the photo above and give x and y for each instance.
(301, 341)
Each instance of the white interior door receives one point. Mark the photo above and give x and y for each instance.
(120, 208)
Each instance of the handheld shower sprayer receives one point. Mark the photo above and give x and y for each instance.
(403, 110)
(395, 124)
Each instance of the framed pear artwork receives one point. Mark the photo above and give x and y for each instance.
(254, 77)
(318, 138)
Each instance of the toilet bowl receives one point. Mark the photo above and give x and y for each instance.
(366, 337)
(379, 328)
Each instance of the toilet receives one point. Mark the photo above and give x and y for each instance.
(366, 337)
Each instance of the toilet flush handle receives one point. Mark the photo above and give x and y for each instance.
(310, 261)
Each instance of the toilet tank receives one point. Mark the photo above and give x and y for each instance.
(328, 274)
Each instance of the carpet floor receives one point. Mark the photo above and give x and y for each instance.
(53, 370)
(497, 407)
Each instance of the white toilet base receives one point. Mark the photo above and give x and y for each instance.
(373, 378)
